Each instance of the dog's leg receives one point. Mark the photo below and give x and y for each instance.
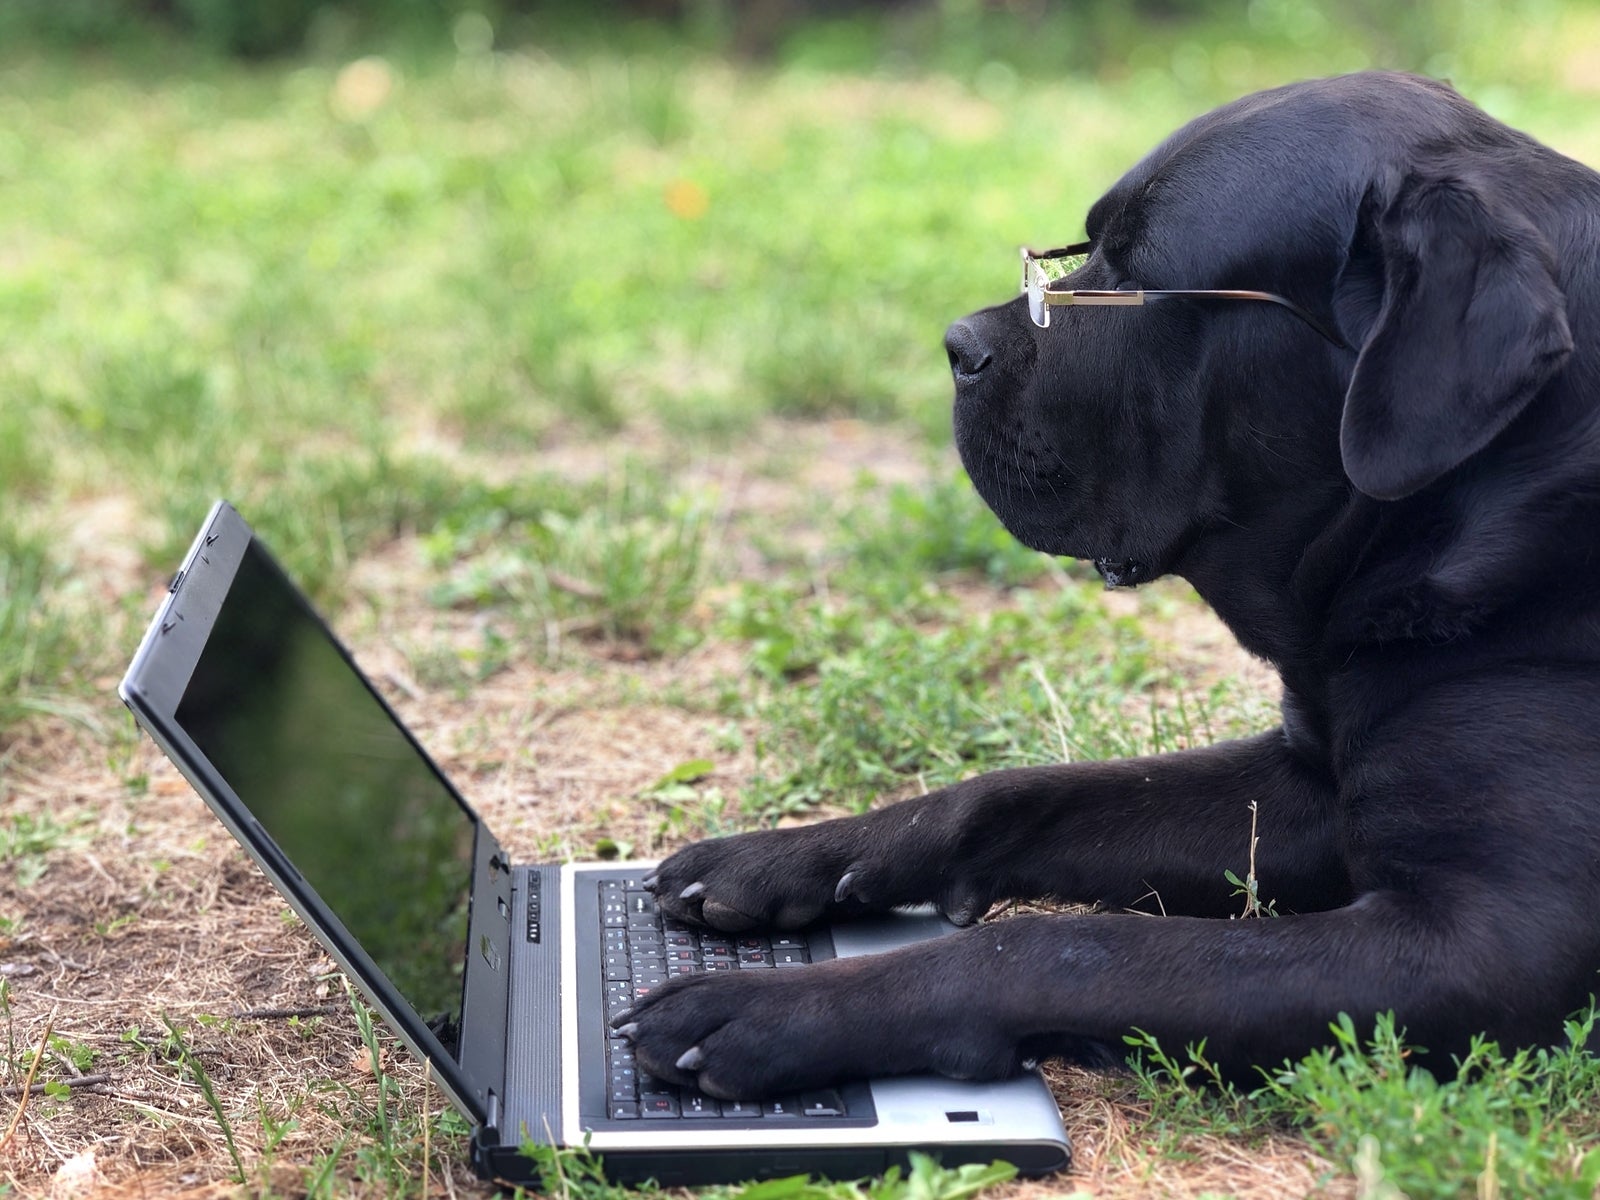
(983, 1002)
(1155, 833)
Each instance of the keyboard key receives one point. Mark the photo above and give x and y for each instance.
(821, 1104)
(696, 1104)
(754, 958)
(625, 1110)
(742, 1109)
(722, 964)
(789, 958)
(784, 1106)
(658, 1105)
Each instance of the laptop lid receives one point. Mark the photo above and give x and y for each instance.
(250, 694)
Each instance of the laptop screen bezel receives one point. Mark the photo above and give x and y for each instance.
(154, 686)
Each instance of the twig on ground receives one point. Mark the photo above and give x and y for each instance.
(27, 1085)
(282, 1014)
(427, 1084)
(571, 584)
(75, 1081)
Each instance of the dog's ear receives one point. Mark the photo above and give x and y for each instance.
(1453, 298)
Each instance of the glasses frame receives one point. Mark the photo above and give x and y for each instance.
(1043, 294)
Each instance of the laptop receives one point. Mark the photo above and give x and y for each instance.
(501, 977)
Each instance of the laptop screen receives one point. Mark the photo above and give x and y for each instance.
(347, 796)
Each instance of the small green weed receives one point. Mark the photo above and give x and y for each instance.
(942, 526)
(25, 840)
(80, 1054)
(197, 1070)
(630, 568)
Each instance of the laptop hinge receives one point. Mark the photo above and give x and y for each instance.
(487, 984)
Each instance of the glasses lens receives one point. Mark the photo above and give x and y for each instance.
(1033, 284)
(1039, 273)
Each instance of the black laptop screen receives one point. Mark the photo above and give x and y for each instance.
(338, 785)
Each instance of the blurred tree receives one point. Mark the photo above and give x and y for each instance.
(1101, 30)
(249, 27)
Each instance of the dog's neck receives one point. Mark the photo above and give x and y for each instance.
(1271, 576)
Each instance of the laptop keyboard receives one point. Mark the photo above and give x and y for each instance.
(642, 950)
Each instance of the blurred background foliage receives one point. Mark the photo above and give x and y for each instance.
(1043, 36)
(367, 266)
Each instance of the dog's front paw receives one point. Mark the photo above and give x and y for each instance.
(779, 878)
(756, 1034)
(787, 878)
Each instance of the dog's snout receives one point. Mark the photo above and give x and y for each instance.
(969, 352)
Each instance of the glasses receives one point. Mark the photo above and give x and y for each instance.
(1045, 293)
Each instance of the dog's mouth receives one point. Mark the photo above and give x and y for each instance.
(1125, 572)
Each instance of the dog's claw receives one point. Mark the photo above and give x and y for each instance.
(691, 1059)
(630, 1030)
(963, 913)
(692, 891)
(650, 882)
(841, 893)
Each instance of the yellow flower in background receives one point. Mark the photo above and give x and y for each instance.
(687, 199)
(361, 88)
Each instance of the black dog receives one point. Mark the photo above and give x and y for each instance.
(1406, 525)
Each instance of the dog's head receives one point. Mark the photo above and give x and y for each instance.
(1404, 220)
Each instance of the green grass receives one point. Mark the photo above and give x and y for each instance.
(37, 637)
(624, 562)
(856, 702)
(1495, 1123)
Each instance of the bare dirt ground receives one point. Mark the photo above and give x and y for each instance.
(145, 911)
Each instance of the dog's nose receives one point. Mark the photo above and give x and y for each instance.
(969, 353)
